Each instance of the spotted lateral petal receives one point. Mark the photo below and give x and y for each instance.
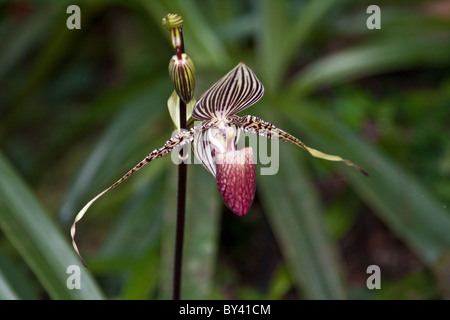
(178, 140)
(260, 127)
(236, 91)
(236, 180)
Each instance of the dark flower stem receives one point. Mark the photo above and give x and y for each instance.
(182, 75)
(181, 198)
(181, 209)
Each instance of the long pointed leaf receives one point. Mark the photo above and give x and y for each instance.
(283, 32)
(29, 228)
(300, 229)
(368, 60)
(201, 236)
(6, 291)
(398, 198)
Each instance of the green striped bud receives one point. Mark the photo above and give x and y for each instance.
(182, 74)
(171, 21)
(174, 23)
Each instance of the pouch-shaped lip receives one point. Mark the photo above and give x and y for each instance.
(236, 179)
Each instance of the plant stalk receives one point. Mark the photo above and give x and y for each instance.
(181, 213)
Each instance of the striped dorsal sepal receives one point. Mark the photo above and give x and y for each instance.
(236, 91)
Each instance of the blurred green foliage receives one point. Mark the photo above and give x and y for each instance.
(78, 108)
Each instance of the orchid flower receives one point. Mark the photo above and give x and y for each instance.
(215, 140)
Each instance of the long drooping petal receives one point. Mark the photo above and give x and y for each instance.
(178, 140)
(260, 127)
(236, 91)
(236, 179)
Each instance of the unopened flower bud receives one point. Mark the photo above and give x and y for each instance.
(172, 20)
(174, 23)
(182, 74)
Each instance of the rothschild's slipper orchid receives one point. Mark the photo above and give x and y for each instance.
(215, 140)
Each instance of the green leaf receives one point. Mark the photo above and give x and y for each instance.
(17, 280)
(369, 60)
(294, 212)
(272, 28)
(138, 224)
(144, 277)
(6, 291)
(20, 38)
(203, 209)
(280, 21)
(115, 147)
(280, 284)
(398, 198)
(38, 240)
(201, 235)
